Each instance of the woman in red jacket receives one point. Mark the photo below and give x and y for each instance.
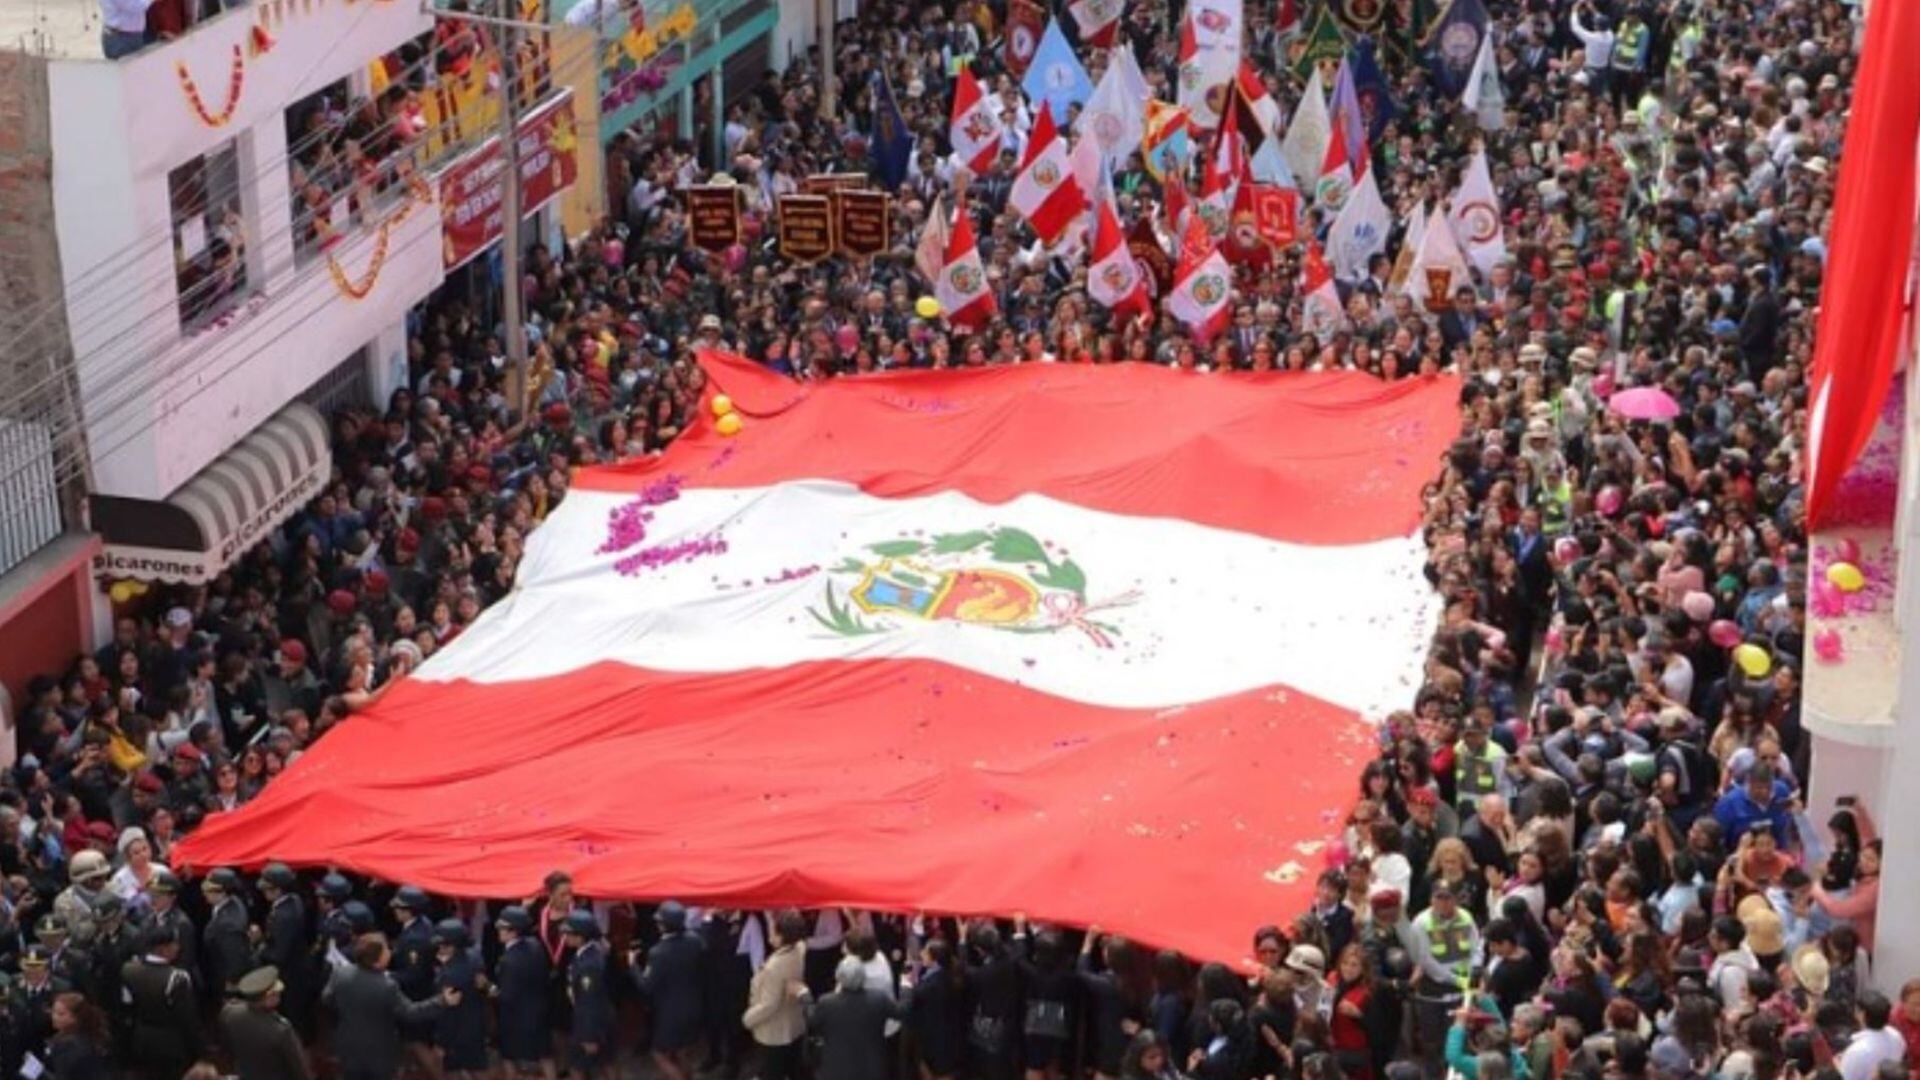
(1352, 984)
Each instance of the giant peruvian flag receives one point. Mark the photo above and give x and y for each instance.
(1097, 644)
(975, 129)
(1046, 193)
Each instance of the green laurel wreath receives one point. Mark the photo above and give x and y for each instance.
(1003, 545)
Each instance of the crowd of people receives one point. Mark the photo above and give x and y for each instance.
(1583, 851)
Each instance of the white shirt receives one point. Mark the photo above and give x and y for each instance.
(126, 16)
(1868, 1049)
(1597, 43)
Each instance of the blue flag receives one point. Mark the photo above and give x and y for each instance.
(1056, 76)
(892, 143)
(1455, 45)
(1375, 94)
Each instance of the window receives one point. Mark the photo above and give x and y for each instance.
(209, 236)
(318, 180)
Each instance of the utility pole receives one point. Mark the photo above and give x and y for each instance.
(505, 31)
(825, 12)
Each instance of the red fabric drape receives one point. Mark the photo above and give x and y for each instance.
(1864, 291)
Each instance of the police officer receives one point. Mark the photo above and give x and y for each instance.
(164, 1039)
(33, 998)
(461, 1030)
(163, 896)
(286, 945)
(70, 965)
(265, 1046)
(522, 979)
(1445, 944)
(225, 942)
(412, 967)
(675, 983)
(336, 933)
(591, 1046)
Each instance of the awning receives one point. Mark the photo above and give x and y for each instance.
(224, 510)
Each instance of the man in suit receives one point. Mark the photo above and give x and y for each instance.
(369, 1010)
(851, 1024)
(775, 1016)
(521, 976)
(1458, 323)
(413, 967)
(265, 1046)
(674, 982)
(165, 1018)
(224, 942)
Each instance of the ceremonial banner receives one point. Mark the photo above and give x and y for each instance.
(470, 213)
(828, 183)
(863, 222)
(1026, 21)
(806, 227)
(944, 641)
(713, 216)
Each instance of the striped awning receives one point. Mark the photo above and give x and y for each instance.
(226, 508)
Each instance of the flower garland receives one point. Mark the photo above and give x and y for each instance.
(419, 193)
(236, 83)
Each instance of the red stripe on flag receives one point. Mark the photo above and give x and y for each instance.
(1322, 458)
(896, 785)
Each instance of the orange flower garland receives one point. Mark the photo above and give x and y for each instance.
(236, 82)
(419, 193)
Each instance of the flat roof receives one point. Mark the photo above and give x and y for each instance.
(60, 29)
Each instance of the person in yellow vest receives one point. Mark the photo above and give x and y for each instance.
(1478, 762)
(1446, 950)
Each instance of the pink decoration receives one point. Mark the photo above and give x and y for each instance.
(1337, 854)
(1609, 501)
(1565, 550)
(1698, 606)
(1828, 602)
(1724, 633)
(1847, 550)
(1556, 641)
(1829, 647)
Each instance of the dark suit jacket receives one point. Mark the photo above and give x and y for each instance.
(675, 982)
(369, 1009)
(852, 1029)
(224, 943)
(939, 1021)
(265, 1046)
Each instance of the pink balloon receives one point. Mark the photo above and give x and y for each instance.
(1337, 854)
(1697, 605)
(1609, 500)
(1724, 633)
(1828, 646)
(1555, 640)
(1848, 550)
(1565, 550)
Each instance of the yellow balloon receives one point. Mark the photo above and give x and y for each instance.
(1846, 577)
(1753, 660)
(137, 588)
(721, 404)
(729, 424)
(927, 307)
(121, 592)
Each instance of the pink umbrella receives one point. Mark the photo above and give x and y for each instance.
(1644, 403)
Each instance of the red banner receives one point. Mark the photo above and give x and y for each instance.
(1026, 21)
(470, 212)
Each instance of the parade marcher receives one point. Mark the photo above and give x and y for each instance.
(164, 1038)
(591, 1046)
(264, 1043)
(460, 1031)
(225, 943)
(413, 966)
(674, 980)
(287, 945)
(370, 1010)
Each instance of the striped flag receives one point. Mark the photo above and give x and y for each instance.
(962, 289)
(1046, 193)
(975, 130)
(954, 641)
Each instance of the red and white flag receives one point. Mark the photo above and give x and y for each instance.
(1114, 277)
(1330, 191)
(1220, 181)
(947, 641)
(1203, 285)
(962, 289)
(1321, 313)
(1176, 207)
(975, 130)
(1097, 20)
(1209, 57)
(1046, 193)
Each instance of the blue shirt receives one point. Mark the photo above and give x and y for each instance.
(1736, 810)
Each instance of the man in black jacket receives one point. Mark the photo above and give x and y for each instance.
(369, 1010)
(674, 982)
(224, 942)
(265, 1046)
(287, 944)
(851, 1025)
(165, 1019)
(522, 978)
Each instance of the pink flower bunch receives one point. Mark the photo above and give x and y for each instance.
(659, 555)
(627, 523)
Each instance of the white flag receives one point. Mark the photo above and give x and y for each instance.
(1116, 116)
(1360, 229)
(1475, 215)
(1439, 269)
(1308, 130)
(930, 257)
(1483, 96)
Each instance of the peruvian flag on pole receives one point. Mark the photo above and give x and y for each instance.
(1046, 193)
(1321, 313)
(962, 289)
(1203, 284)
(944, 641)
(1114, 278)
(1220, 181)
(1097, 20)
(975, 130)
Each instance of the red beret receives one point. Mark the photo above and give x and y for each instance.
(479, 474)
(293, 649)
(1422, 796)
(100, 830)
(341, 602)
(190, 752)
(433, 508)
(150, 783)
(558, 413)
(376, 582)
(409, 540)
